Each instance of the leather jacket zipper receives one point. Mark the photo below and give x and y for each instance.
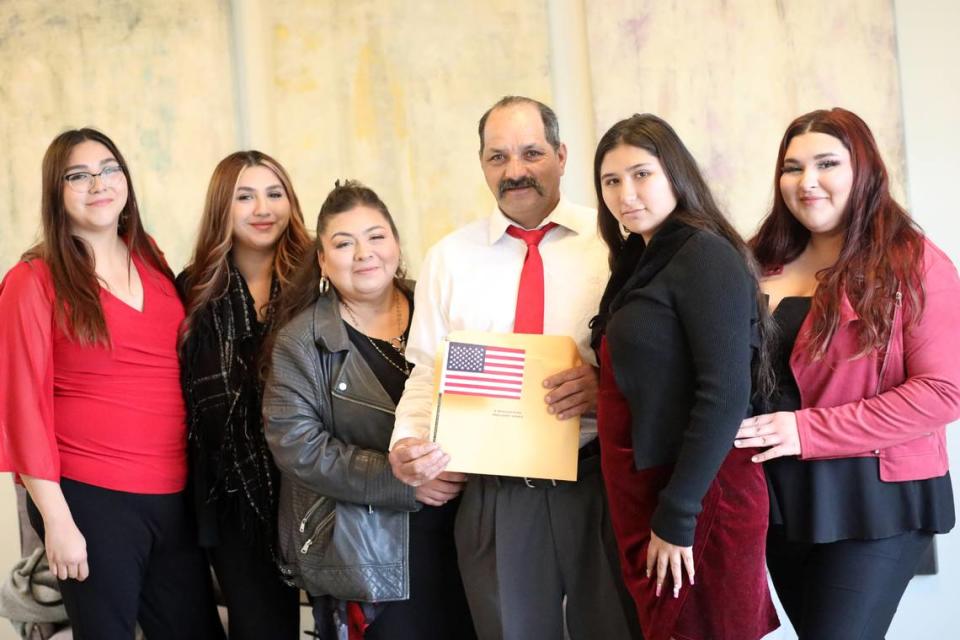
(313, 509)
(362, 403)
(317, 531)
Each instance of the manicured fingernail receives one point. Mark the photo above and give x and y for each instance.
(676, 592)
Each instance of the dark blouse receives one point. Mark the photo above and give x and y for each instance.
(844, 498)
(432, 553)
(387, 363)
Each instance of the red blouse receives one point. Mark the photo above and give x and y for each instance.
(110, 416)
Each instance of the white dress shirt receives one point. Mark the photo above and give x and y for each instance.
(469, 280)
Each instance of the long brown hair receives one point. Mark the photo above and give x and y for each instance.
(696, 207)
(882, 246)
(304, 288)
(207, 274)
(77, 309)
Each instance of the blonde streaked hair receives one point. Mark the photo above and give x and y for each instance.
(207, 274)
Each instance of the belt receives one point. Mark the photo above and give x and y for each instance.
(587, 451)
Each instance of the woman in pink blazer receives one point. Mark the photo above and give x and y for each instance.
(868, 375)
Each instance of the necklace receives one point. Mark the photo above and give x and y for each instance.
(399, 343)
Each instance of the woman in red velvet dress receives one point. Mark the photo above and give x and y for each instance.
(677, 331)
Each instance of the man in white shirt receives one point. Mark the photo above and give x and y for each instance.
(523, 545)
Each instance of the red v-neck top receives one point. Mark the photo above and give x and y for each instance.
(110, 416)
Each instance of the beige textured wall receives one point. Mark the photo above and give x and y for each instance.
(389, 93)
(730, 76)
(154, 75)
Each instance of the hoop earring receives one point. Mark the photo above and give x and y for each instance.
(324, 285)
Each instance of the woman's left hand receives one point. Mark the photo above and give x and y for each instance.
(775, 430)
(668, 557)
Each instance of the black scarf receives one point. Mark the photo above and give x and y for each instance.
(636, 265)
(231, 465)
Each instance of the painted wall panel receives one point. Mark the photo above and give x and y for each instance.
(155, 76)
(390, 94)
(729, 76)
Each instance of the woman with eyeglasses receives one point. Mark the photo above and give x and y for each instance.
(868, 376)
(91, 413)
(251, 240)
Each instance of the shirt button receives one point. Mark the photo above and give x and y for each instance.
(876, 452)
(342, 386)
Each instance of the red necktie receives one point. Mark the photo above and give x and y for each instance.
(529, 315)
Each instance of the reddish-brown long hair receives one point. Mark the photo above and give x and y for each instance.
(208, 271)
(77, 309)
(882, 246)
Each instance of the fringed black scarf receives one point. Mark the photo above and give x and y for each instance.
(231, 465)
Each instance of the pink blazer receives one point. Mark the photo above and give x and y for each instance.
(895, 404)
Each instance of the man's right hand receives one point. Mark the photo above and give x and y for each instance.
(416, 462)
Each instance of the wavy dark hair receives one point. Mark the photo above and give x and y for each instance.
(303, 289)
(696, 207)
(207, 275)
(882, 250)
(77, 309)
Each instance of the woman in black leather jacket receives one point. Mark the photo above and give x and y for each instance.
(359, 541)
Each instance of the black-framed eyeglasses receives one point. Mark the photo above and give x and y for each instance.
(82, 181)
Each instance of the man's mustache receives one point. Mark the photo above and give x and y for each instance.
(527, 181)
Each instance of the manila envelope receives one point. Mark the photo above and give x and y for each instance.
(488, 408)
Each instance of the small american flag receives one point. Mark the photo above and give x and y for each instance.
(478, 370)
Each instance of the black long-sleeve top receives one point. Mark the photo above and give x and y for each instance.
(680, 331)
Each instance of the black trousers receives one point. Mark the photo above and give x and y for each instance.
(437, 608)
(844, 590)
(145, 566)
(259, 604)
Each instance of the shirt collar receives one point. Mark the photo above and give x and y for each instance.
(563, 214)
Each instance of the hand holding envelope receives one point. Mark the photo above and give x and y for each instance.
(490, 415)
(573, 392)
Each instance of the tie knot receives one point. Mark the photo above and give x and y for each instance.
(531, 236)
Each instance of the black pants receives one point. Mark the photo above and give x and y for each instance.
(437, 608)
(845, 590)
(145, 566)
(259, 604)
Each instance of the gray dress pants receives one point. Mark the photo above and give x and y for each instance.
(522, 550)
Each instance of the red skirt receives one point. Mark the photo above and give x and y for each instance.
(731, 599)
